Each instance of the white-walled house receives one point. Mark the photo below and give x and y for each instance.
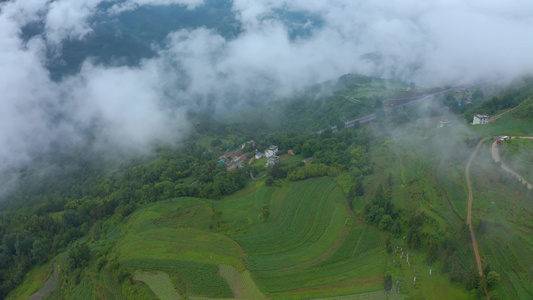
(272, 160)
(480, 119)
(271, 151)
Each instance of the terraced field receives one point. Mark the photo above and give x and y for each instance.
(307, 247)
(159, 283)
(310, 246)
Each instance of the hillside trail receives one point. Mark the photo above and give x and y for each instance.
(469, 214)
(495, 118)
(496, 156)
(255, 178)
(48, 287)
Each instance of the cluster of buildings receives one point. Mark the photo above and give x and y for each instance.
(271, 156)
(236, 158)
(233, 159)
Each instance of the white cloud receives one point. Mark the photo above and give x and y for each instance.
(134, 4)
(130, 108)
(69, 19)
(451, 41)
(123, 107)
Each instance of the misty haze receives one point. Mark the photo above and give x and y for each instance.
(208, 149)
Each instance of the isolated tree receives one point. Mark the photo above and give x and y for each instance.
(413, 237)
(472, 279)
(265, 212)
(432, 252)
(386, 222)
(482, 286)
(277, 172)
(396, 228)
(269, 181)
(388, 283)
(492, 278)
(388, 245)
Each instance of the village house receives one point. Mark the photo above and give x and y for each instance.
(272, 160)
(271, 156)
(232, 159)
(480, 119)
(271, 151)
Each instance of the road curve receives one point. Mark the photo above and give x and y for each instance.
(469, 214)
(496, 156)
(48, 287)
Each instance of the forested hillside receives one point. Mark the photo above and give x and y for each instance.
(379, 203)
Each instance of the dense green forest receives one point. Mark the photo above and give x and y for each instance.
(406, 194)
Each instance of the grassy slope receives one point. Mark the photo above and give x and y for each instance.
(311, 246)
(518, 155)
(285, 252)
(242, 284)
(426, 182)
(159, 283)
(33, 282)
(506, 244)
(303, 250)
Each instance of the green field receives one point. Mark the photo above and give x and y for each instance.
(241, 283)
(506, 243)
(159, 283)
(310, 246)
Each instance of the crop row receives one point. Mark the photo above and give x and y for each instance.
(294, 224)
(199, 278)
(242, 284)
(263, 196)
(353, 270)
(306, 227)
(307, 251)
(159, 283)
(178, 244)
(346, 250)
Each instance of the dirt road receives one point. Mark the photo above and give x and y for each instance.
(469, 214)
(496, 156)
(48, 287)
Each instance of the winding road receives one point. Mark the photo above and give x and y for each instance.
(496, 156)
(469, 214)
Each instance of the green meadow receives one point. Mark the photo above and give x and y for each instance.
(309, 246)
(503, 206)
